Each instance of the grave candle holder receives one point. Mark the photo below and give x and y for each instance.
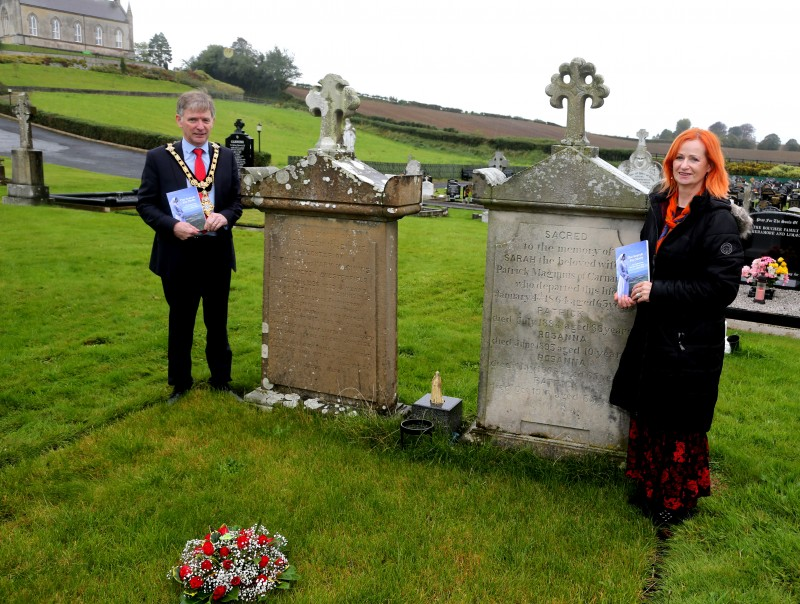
(761, 291)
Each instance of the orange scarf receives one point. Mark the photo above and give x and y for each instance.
(674, 217)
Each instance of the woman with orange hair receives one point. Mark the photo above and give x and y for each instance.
(669, 372)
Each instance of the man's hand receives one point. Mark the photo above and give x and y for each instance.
(184, 230)
(215, 222)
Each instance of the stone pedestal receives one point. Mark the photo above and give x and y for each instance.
(27, 182)
(552, 333)
(330, 278)
(448, 415)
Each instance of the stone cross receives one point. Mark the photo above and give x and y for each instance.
(24, 111)
(582, 84)
(332, 100)
(642, 134)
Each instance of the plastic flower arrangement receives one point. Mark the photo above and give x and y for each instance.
(233, 565)
(767, 268)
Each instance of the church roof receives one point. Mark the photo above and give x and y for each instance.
(102, 9)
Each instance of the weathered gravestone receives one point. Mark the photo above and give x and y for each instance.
(330, 266)
(775, 234)
(552, 333)
(242, 146)
(641, 167)
(27, 166)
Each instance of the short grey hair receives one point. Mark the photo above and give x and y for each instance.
(196, 100)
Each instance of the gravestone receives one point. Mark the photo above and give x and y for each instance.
(242, 146)
(552, 333)
(641, 166)
(775, 234)
(330, 266)
(27, 166)
(498, 161)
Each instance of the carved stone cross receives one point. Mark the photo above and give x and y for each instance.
(24, 111)
(642, 134)
(582, 84)
(333, 100)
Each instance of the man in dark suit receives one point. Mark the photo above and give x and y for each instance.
(193, 264)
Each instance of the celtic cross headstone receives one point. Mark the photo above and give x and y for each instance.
(333, 100)
(575, 82)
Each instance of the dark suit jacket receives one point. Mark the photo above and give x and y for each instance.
(161, 175)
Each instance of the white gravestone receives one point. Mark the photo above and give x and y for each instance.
(641, 166)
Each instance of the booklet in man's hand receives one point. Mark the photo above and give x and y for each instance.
(185, 206)
(633, 266)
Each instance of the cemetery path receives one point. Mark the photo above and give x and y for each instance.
(73, 152)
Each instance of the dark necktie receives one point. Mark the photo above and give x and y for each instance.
(199, 167)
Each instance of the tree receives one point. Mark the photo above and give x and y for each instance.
(719, 129)
(792, 145)
(246, 67)
(682, 125)
(159, 51)
(741, 137)
(141, 52)
(771, 142)
(666, 135)
(279, 65)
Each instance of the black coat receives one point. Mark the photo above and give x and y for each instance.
(670, 368)
(161, 175)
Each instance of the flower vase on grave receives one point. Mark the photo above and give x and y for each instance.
(769, 294)
(761, 291)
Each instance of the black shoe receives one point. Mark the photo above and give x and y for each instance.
(226, 389)
(177, 394)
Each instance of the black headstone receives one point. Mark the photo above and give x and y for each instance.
(242, 146)
(775, 234)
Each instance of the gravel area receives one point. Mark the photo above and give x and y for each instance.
(785, 302)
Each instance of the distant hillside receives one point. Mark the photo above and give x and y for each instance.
(497, 126)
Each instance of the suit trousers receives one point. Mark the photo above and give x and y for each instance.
(183, 292)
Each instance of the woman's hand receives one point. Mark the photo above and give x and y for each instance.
(641, 292)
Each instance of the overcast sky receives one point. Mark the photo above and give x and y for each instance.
(705, 60)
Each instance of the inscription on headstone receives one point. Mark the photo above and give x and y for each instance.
(775, 234)
(242, 146)
(330, 269)
(555, 335)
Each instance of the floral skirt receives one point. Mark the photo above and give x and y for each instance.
(670, 467)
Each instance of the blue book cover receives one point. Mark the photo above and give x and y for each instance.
(185, 206)
(633, 266)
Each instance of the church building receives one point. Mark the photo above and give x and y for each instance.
(98, 26)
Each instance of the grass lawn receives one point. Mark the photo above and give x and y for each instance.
(21, 74)
(101, 483)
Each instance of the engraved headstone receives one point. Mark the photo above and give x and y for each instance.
(641, 166)
(330, 275)
(775, 234)
(552, 333)
(242, 146)
(27, 164)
